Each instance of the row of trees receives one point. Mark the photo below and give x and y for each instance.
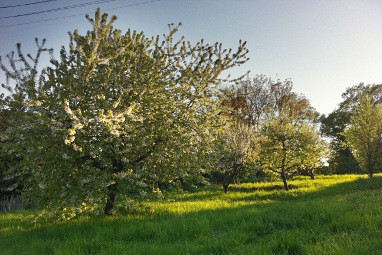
(272, 129)
(118, 115)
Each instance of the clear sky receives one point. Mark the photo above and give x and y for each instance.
(323, 46)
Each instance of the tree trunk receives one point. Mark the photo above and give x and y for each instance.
(225, 187)
(113, 188)
(108, 210)
(227, 180)
(370, 164)
(283, 167)
(284, 181)
(237, 180)
(262, 175)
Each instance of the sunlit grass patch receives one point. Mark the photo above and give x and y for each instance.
(329, 215)
(212, 197)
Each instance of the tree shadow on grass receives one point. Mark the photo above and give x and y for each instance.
(194, 196)
(260, 188)
(278, 194)
(362, 184)
(217, 192)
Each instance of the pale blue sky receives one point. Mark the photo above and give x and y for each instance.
(323, 46)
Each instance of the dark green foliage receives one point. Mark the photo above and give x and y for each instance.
(9, 184)
(342, 160)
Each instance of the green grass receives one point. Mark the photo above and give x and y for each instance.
(330, 215)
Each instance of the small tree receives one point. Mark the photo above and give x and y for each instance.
(313, 154)
(287, 148)
(290, 137)
(364, 135)
(233, 152)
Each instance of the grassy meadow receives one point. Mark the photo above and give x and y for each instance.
(340, 214)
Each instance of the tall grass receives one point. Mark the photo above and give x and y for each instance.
(329, 215)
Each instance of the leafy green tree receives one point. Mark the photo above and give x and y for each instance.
(290, 140)
(120, 113)
(364, 135)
